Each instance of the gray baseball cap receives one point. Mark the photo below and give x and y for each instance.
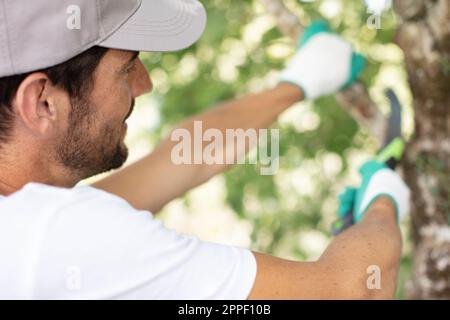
(39, 34)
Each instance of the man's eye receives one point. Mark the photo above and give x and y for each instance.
(130, 68)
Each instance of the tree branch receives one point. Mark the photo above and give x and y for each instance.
(356, 99)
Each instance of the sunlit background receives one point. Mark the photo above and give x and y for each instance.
(321, 147)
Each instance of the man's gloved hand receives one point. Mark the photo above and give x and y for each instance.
(377, 180)
(324, 62)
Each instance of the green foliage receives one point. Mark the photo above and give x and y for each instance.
(226, 65)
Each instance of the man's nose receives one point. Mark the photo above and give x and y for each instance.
(141, 80)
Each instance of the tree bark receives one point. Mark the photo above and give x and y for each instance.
(424, 36)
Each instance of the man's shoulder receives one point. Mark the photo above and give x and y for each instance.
(65, 214)
(80, 199)
(39, 191)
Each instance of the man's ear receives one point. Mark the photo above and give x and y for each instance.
(35, 103)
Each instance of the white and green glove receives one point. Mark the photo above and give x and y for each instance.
(324, 63)
(377, 180)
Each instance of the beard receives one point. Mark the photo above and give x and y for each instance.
(86, 153)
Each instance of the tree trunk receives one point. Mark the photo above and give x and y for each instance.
(424, 36)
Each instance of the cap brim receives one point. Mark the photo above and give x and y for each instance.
(160, 25)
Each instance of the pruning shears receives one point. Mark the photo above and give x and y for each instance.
(390, 154)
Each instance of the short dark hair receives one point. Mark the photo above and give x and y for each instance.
(74, 76)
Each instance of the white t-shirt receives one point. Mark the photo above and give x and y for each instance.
(83, 243)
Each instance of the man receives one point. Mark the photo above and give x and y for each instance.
(65, 94)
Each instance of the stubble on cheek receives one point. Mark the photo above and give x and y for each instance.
(89, 148)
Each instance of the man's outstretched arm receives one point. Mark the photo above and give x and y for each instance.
(342, 271)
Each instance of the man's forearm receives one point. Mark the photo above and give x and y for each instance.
(342, 272)
(374, 244)
(155, 180)
(251, 111)
(256, 111)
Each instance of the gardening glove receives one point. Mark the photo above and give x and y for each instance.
(324, 62)
(378, 180)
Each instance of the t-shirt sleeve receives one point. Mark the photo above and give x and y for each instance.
(98, 247)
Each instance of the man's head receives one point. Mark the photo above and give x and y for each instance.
(76, 110)
(69, 75)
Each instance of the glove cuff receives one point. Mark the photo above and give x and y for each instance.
(383, 183)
